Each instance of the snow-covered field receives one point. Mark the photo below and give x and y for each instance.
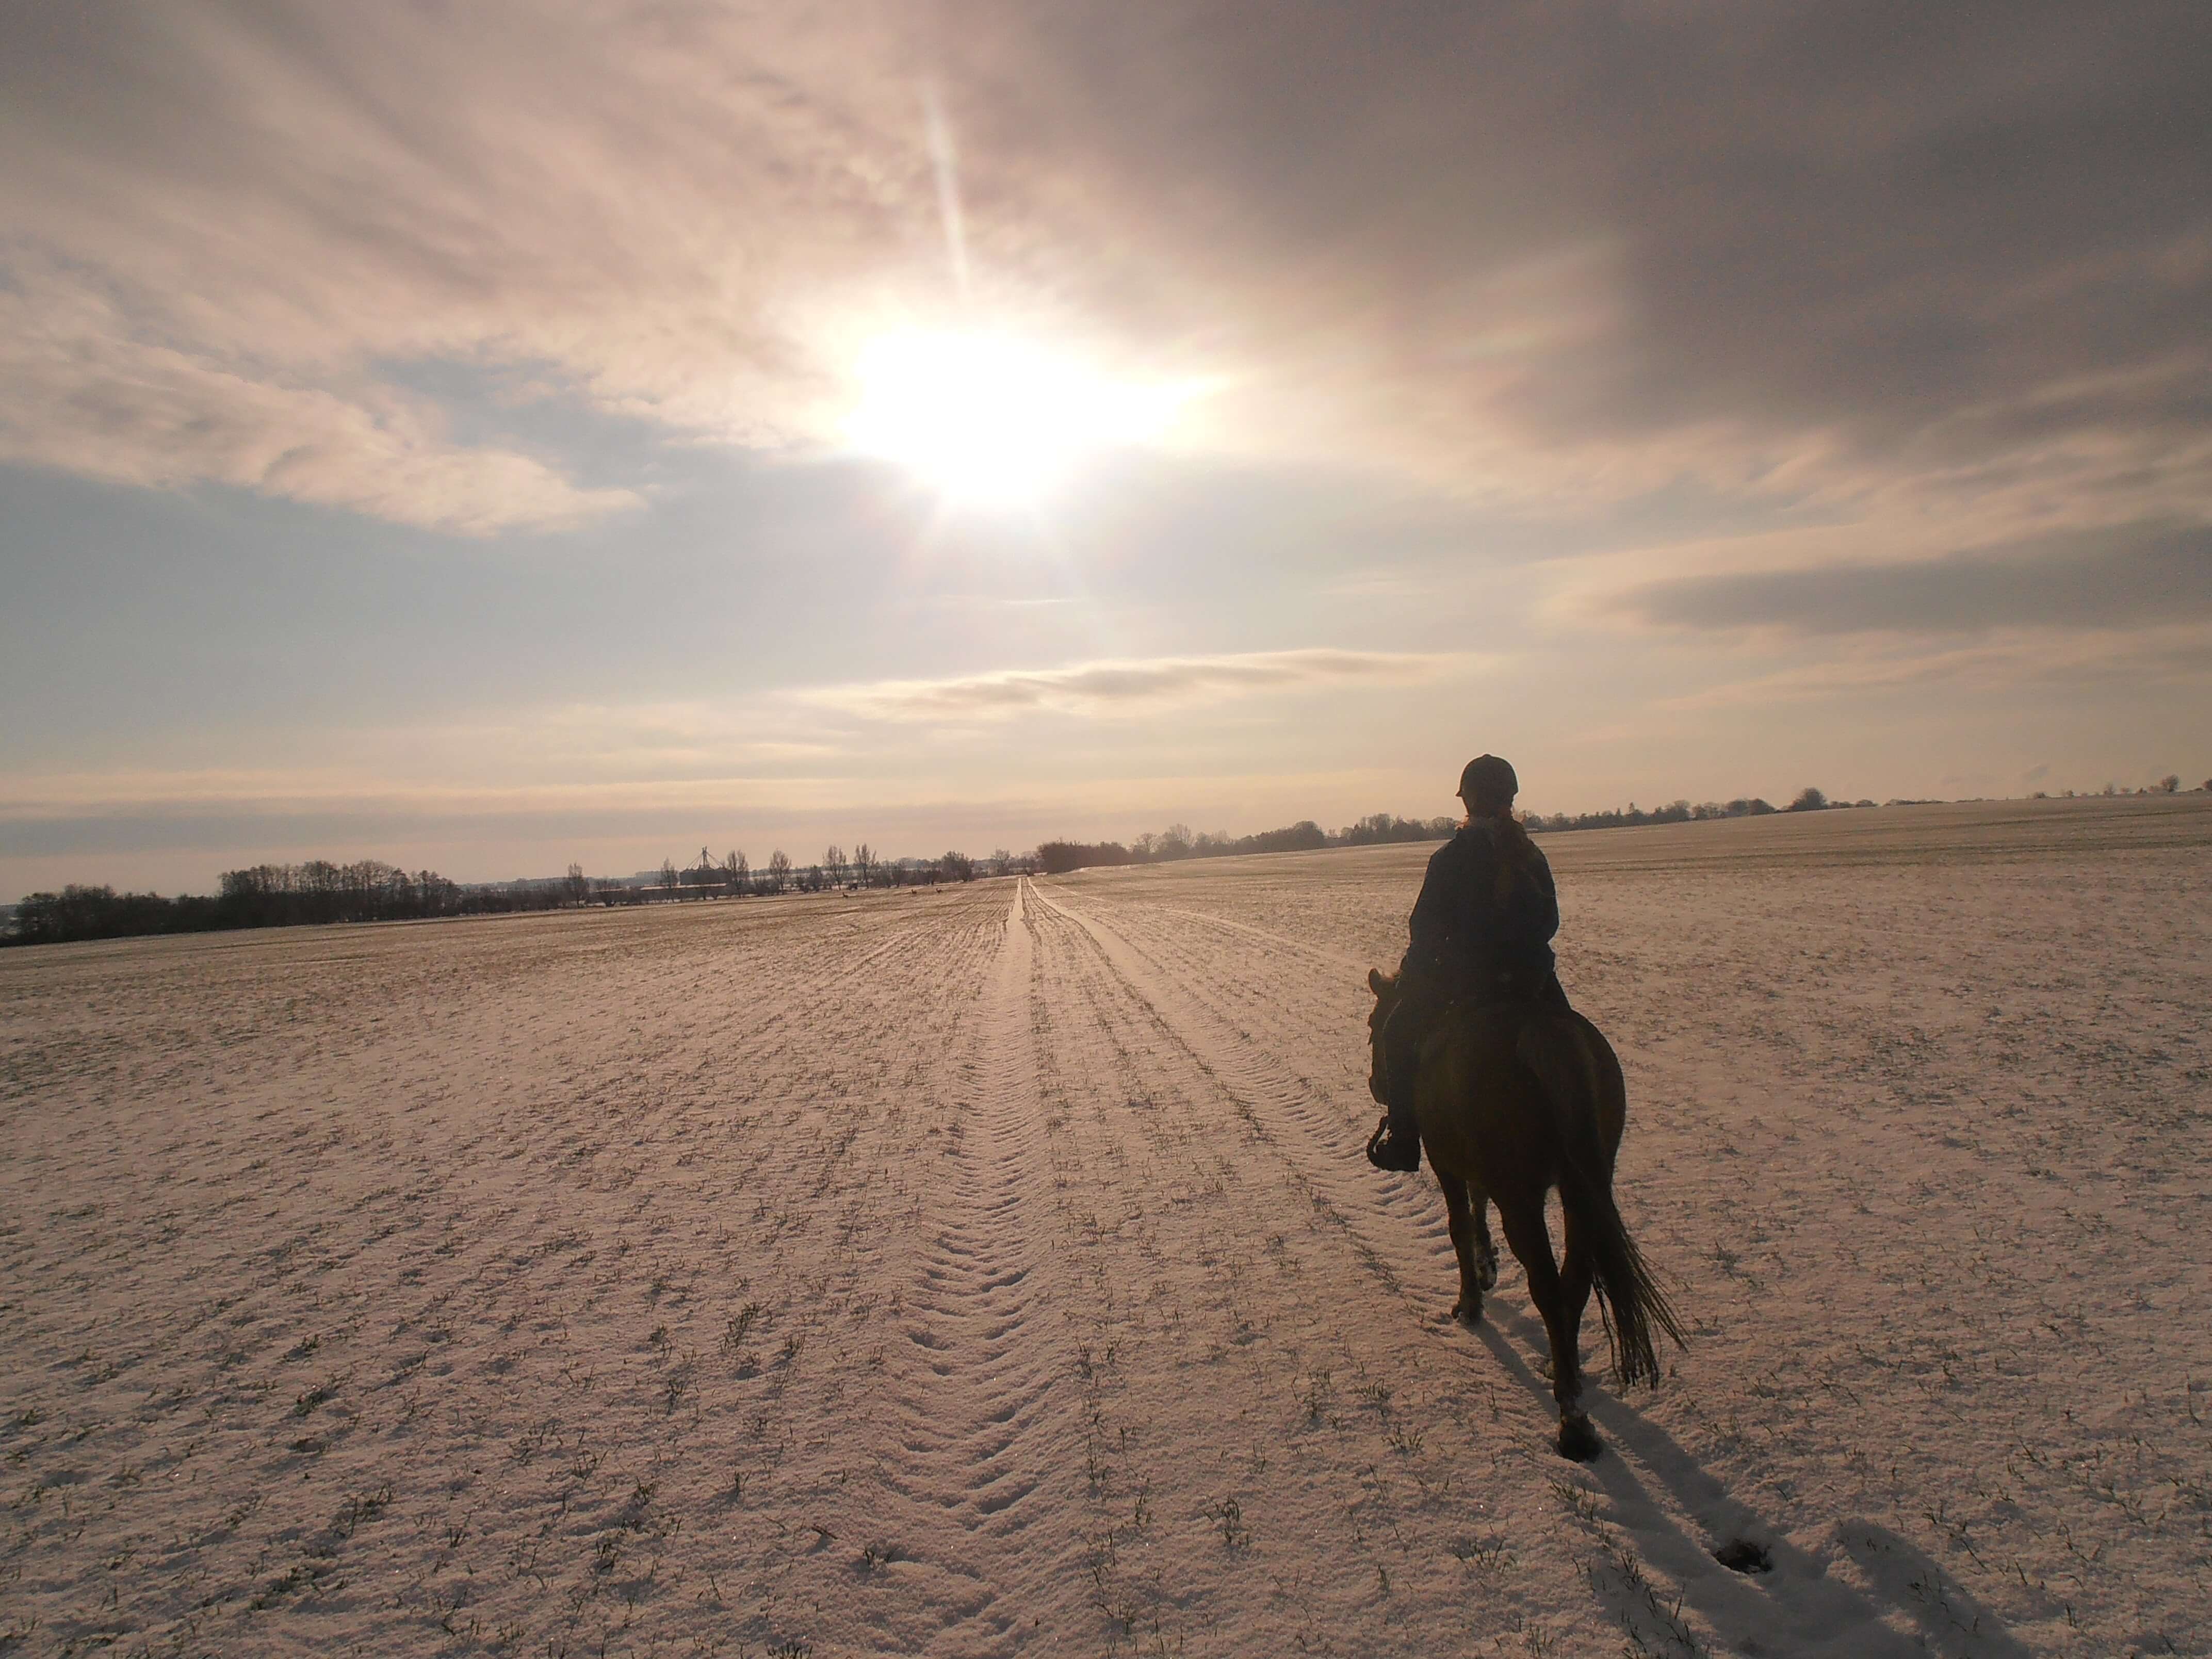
(996, 1270)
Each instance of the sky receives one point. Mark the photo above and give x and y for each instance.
(489, 437)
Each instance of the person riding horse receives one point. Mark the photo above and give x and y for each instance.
(1481, 934)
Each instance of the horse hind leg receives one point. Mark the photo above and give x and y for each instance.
(1532, 1244)
(1576, 1271)
(1485, 1252)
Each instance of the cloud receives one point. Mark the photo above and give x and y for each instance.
(1558, 254)
(2138, 576)
(85, 397)
(1580, 247)
(220, 223)
(1109, 687)
(2003, 662)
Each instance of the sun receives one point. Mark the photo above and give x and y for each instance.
(993, 421)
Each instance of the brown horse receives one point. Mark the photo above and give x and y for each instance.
(1516, 1099)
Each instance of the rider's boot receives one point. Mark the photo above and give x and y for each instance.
(1392, 1149)
(1395, 1145)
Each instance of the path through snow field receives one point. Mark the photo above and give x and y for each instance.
(995, 1270)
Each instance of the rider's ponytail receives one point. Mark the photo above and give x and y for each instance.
(1512, 840)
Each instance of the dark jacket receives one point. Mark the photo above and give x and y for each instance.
(1486, 916)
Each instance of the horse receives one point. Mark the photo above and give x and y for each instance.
(1514, 1099)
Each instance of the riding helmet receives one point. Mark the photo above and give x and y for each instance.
(1488, 778)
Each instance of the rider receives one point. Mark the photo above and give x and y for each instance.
(1481, 934)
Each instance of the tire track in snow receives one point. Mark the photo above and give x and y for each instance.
(1282, 940)
(1271, 1096)
(973, 1407)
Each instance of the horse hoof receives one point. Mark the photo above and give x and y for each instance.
(1578, 1440)
(1466, 1315)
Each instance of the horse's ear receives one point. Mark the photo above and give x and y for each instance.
(1375, 981)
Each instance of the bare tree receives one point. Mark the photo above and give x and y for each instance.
(778, 870)
(864, 864)
(2170, 783)
(668, 876)
(833, 865)
(734, 874)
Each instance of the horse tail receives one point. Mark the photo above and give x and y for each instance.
(1631, 1302)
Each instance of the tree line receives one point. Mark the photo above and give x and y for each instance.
(274, 896)
(322, 891)
(1681, 811)
(1177, 841)
(734, 876)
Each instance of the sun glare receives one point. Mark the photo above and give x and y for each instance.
(991, 422)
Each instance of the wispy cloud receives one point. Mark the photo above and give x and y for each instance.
(2000, 662)
(1112, 686)
(86, 395)
(219, 226)
(538, 757)
(2132, 575)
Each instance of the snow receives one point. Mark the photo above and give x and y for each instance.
(995, 1270)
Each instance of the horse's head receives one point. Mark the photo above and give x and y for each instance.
(1385, 986)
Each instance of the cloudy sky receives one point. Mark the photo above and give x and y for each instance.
(491, 435)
